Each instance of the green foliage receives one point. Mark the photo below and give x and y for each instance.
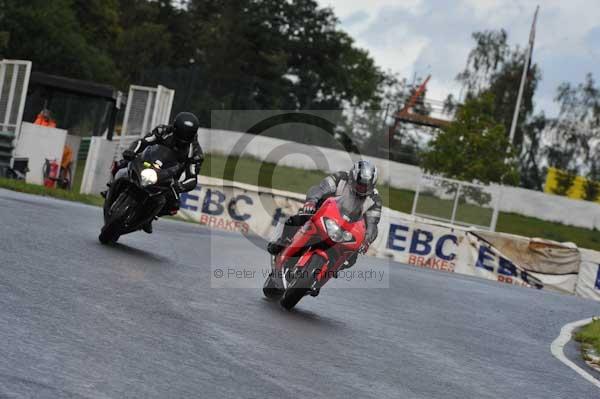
(473, 147)
(530, 159)
(4, 37)
(591, 191)
(49, 34)
(484, 60)
(591, 187)
(21, 186)
(590, 335)
(142, 45)
(231, 54)
(574, 134)
(564, 182)
(496, 68)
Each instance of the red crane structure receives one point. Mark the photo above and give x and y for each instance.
(406, 114)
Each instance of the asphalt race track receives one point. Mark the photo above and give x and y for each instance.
(140, 319)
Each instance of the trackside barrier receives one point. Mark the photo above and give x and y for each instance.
(505, 258)
(97, 165)
(146, 108)
(14, 81)
(588, 284)
(238, 207)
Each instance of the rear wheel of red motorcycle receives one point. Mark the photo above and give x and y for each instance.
(270, 289)
(301, 284)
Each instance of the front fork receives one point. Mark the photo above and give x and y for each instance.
(321, 274)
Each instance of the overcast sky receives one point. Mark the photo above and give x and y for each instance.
(434, 36)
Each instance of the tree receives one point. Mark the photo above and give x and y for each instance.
(473, 147)
(142, 45)
(591, 187)
(485, 59)
(99, 21)
(49, 34)
(574, 134)
(4, 35)
(217, 54)
(494, 67)
(530, 160)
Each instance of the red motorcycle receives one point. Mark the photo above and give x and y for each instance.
(316, 253)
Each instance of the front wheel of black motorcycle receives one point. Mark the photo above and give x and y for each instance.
(110, 233)
(300, 285)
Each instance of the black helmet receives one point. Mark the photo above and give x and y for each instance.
(185, 127)
(363, 178)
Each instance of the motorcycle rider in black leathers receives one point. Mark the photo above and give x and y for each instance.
(181, 137)
(358, 185)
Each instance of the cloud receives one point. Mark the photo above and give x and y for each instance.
(434, 37)
(356, 18)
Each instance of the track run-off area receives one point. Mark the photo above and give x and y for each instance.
(143, 319)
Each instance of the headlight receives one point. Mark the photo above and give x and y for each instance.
(149, 177)
(335, 232)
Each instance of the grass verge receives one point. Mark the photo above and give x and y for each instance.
(23, 187)
(256, 172)
(589, 337)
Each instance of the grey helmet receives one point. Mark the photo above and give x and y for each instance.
(363, 178)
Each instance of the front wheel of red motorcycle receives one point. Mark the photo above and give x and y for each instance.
(299, 286)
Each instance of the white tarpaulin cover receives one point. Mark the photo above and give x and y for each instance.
(488, 261)
(536, 254)
(588, 284)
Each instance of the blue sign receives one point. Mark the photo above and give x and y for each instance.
(421, 242)
(212, 204)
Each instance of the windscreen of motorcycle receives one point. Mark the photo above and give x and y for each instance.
(160, 156)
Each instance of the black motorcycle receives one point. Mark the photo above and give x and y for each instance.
(139, 192)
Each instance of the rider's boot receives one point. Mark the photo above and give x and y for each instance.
(275, 247)
(147, 227)
(105, 192)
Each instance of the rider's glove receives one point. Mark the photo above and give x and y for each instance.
(128, 155)
(162, 130)
(309, 208)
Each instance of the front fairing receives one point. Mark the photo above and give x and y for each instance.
(332, 209)
(150, 199)
(313, 236)
(160, 158)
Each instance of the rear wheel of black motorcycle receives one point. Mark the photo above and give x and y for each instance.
(301, 284)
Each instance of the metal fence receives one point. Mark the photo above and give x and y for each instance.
(146, 108)
(456, 202)
(14, 81)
